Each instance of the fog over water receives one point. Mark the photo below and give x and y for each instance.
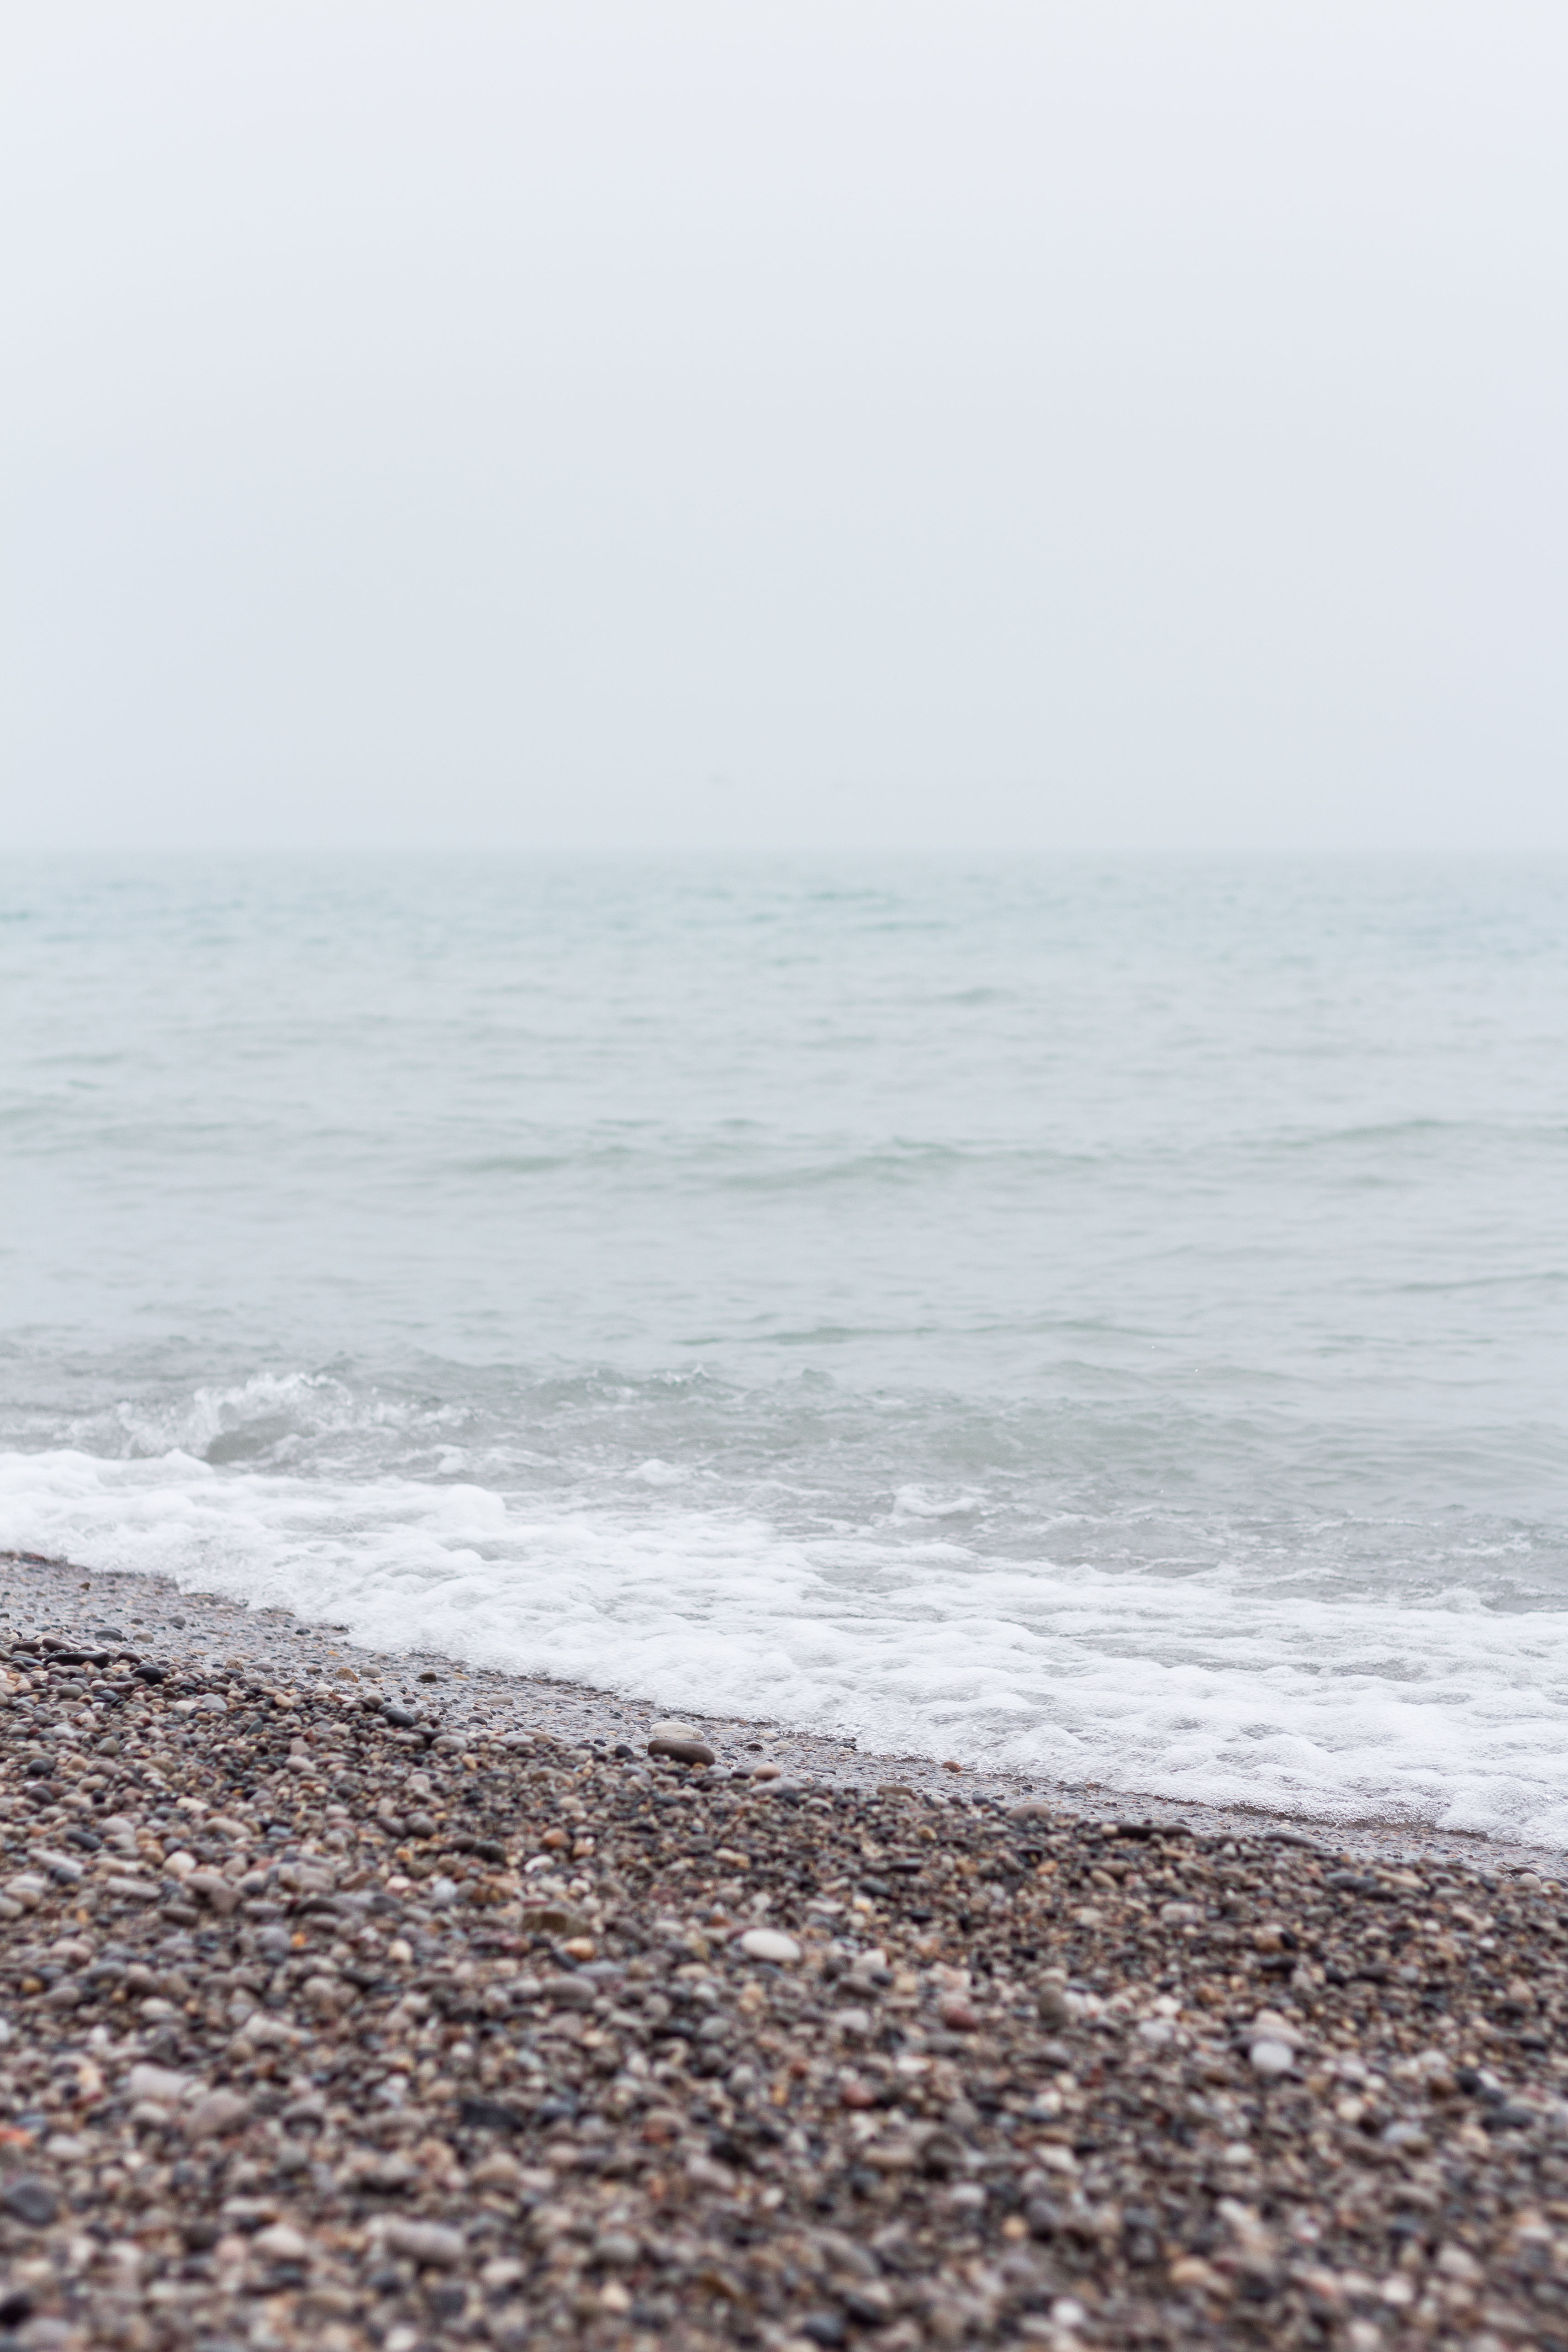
(870, 424)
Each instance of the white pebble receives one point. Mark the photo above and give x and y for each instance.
(1271, 2057)
(282, 2243)
(160, 2085)
(768, 1944)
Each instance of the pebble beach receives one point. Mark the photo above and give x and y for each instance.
(357, 2002)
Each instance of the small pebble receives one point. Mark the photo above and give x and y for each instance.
(431, 2243)
(1271, 2057)
(281, 2243)
(770, 1944)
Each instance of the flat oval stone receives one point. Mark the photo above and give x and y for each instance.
(770, 1944)
(682, 1751)
(429, 2243)
(32, 2203)
(670, 1729)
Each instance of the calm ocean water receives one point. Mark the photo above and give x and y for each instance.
(1102, 1316)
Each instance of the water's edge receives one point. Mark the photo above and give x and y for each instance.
(72, 1598)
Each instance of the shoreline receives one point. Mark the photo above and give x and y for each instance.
(67, 1592)
(344, 2009)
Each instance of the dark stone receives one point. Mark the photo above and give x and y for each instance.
(941, 2156)
(582, 1992)
(1509, 2116)
(488, 2114)
(682, 1751)
(30, 2201)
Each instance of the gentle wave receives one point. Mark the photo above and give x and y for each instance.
(1106, 1317)
(1446, 1712)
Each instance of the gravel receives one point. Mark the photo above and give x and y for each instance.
(321, 2027)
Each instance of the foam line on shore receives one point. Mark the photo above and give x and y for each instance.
(286, 1645)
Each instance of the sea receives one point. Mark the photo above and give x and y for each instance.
(1102, 1317)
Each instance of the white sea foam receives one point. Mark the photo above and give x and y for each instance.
(1442, 1711)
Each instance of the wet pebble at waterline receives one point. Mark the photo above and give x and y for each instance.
(328, 2028)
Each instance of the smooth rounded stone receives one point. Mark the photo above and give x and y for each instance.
(1270, 2057)
(682, 1751)
(670, 1729)
(770, 1944)
(569, 1992)
(1053, 2007)
(159, 2085)
(282, 2243)
(31, 2202)
(326, 1995)
(218, 2113)
(429, 2243)
(213, 1889)
(1268, 2025)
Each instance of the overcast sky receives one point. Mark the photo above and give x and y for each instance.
(675, 423)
